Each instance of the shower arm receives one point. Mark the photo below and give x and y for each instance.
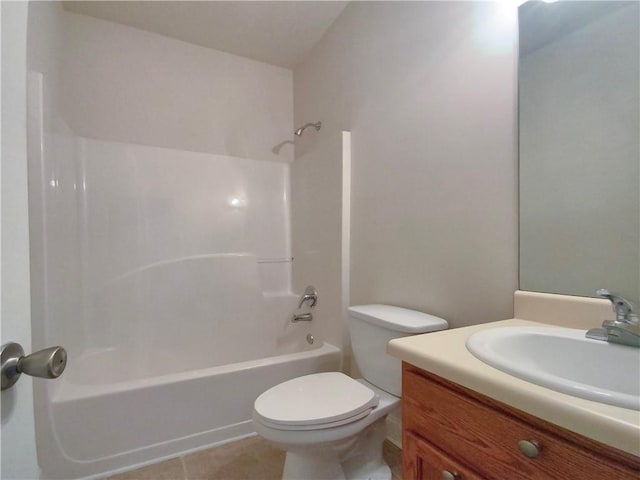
(299, 131)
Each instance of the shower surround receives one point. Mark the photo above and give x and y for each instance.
(166, 276)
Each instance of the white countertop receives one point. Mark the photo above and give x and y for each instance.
(445, 354)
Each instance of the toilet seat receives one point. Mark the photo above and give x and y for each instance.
(318, 401)
(316, 426)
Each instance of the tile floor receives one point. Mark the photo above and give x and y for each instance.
(248, 459)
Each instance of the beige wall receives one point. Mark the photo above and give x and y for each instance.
(123, 84)
(45, 53)
(428, 91)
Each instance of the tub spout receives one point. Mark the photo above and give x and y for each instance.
(303, 317)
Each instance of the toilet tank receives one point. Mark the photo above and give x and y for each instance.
(372, 326)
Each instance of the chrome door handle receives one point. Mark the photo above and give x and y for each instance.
(47, 363)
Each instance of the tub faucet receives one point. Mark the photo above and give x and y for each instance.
(302, 317)
(625, 329)
(310, 297)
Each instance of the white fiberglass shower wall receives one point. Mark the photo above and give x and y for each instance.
(177, 251)
(161, 257)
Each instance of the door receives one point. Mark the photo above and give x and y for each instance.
(18, 433)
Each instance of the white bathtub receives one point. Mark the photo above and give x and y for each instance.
(174, 355)
(97, 427)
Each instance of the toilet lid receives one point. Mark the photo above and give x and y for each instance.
(315, 400)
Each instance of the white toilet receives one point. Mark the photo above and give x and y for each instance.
(331, 425)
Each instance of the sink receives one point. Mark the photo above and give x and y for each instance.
(563, 360)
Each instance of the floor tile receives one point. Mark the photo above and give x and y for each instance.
(252, 458)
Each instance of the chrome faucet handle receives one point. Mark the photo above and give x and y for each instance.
(625, 310)
(310, 297)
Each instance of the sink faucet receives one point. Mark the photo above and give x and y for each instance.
(625, 329)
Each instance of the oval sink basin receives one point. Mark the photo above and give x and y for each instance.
(564, 360)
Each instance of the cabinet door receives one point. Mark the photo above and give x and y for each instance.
(422, 461)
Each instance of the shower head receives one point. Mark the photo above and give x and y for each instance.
(299, 131)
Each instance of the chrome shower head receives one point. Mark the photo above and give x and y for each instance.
(299, 131)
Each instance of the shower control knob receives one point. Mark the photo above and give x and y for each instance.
(47, 363)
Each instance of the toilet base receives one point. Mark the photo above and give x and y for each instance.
(355, 458)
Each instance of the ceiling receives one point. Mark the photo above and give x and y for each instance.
(277, 32)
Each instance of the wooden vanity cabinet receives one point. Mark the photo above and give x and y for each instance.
(451, 432)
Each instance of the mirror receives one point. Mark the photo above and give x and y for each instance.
(579, 147)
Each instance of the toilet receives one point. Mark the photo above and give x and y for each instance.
(331, 425)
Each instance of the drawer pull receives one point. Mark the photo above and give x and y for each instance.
(530, 448)
(447, 475)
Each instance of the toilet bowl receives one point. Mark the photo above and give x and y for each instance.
(331, 425)
(322, 446)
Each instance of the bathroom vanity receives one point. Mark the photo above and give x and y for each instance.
(451, 432)
(463, 419)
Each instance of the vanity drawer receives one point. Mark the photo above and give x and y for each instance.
(423, 461)
(478, 435)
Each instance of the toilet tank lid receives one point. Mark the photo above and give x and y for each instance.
(398, 318)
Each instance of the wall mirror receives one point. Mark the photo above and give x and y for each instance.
(579, 148)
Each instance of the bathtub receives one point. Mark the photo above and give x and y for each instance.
(97, 428)
(171, 359)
